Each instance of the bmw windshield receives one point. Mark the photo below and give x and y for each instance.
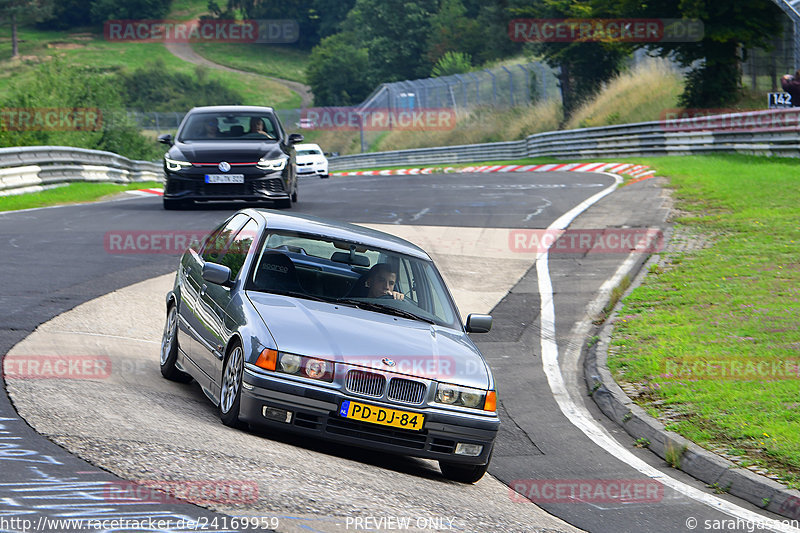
(375, 279)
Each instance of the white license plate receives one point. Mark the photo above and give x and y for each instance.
(224, 178)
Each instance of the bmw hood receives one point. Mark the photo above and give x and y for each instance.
(230, 151)
(368, 339)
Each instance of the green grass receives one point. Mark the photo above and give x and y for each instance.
(188, 9)
(733, 302)
(86, 48)
(70, 194)
(277, 61)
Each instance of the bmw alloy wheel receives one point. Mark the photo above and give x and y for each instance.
(231, 381)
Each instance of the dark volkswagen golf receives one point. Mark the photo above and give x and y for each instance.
(230, 153)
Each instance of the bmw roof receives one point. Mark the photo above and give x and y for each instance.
(338, 230)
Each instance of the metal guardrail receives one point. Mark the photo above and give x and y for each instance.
(774, 132)
(34, 168)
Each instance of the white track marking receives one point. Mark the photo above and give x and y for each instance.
(580, 417)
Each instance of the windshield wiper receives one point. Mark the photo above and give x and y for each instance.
(371, 306)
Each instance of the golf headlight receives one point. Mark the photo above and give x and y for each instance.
(462, 396)
(176, 164)
(271, 164)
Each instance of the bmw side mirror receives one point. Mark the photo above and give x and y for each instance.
(217, 274)
(479, 323)
(295, 138)
(165, 138)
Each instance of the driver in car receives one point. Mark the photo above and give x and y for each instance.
(257, 126)
(381, 281)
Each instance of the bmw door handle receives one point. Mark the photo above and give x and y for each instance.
(203, 289)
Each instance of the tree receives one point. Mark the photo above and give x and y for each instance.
(104, 10)
(22, 12)
(476, 27)
(67, 14)
(338, 71)
(452, 63)
(583, 65)
(453, 31)
(395, 33)
(729, 27)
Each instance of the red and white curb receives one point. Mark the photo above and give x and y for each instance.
(147, 192)
(636, 171)
(639, 172)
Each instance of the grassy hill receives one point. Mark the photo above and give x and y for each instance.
(89, 48)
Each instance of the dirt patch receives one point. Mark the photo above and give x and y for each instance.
(30, 59)
(64, 46)
(81, 36)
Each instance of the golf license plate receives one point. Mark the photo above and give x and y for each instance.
(224, 178)
(381, 415)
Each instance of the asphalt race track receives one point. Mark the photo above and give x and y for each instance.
(134, 425)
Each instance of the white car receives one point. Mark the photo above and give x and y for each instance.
(311, 160)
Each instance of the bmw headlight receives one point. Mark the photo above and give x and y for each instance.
(300, 365)
(176, 164)
(271, 164)
(448, 394)
(290, 363)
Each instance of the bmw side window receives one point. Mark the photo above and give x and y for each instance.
(239, 248)
(217, 243)
(405, 281)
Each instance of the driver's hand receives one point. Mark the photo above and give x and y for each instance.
(395, 295)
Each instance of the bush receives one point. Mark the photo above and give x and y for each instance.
(103, 10)
(155, 88)
(452, 63)
(338, 71)
(58, 85)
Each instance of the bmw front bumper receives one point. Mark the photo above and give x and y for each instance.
(311, 409)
